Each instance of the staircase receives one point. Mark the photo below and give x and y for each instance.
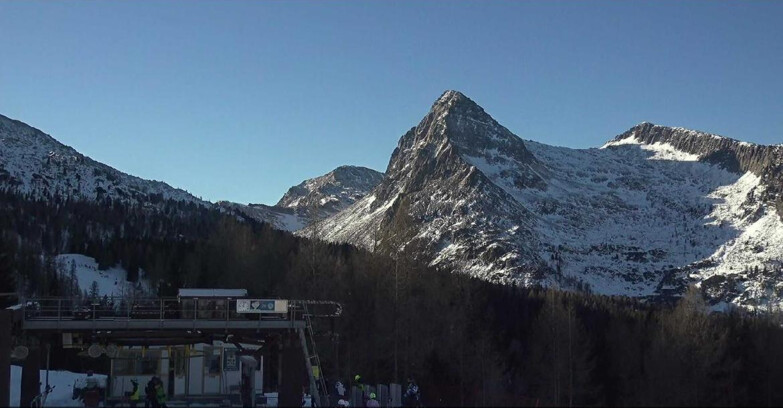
(318, 390)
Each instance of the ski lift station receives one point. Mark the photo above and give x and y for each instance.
(208, 347)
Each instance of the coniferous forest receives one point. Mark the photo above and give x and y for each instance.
(466, 341)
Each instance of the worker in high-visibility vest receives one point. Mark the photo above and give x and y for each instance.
(135, 394)
(359, 384)
(373, 401)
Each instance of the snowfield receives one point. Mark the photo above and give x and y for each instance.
(61, 395)
(111, 282)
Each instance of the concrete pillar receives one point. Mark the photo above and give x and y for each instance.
(31, 377)
(395, 391)
(5, 356)
(357, 398)
(294, 376)
(383, 395)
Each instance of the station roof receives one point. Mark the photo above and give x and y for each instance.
(207, 293)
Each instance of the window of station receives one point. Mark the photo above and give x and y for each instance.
(212, 360)
(150, 363)
(178, 361)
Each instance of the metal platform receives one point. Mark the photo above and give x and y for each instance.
(164, 324)
(115, 314)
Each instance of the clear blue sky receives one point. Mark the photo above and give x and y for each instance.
(240, 100)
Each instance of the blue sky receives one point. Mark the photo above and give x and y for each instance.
(240, 100)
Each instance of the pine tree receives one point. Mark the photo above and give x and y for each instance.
(74, 282)
(94, 291)
(560, 355)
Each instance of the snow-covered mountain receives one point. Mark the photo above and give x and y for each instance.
(332, 192)
(322, 197)
(34, 163)
(651, 211)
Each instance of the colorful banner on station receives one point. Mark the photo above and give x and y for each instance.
(262, 306)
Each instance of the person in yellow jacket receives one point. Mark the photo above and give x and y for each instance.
(135, 394)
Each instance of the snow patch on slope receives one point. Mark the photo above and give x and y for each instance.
(111, 282)
(616, 217)
(661, 151)
(341, 227)
(61, 395)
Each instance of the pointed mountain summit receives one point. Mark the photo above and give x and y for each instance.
(457, 124)
(473, 131)
(445, 182)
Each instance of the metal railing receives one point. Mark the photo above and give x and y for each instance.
(116, 308)
(165, 308)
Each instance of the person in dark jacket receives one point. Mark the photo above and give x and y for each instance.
(91, 394)
(150, 394)
(412, 397)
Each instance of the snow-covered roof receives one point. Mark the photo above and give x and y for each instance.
(212, 293)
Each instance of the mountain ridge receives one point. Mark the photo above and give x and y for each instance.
(33, 162)
(313, 199)
(766, 161)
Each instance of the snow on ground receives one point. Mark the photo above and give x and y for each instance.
(291, 222)
(111, 282)
(61, 380)
(757, 245)
(629, 211)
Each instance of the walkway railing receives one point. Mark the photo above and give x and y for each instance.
(166, 308)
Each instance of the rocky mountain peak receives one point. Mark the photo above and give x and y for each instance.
(456, 128)
(333, 191)
(353, 173)
(456, 102)
(456, 168)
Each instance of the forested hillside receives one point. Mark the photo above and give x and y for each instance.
(466, 341)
